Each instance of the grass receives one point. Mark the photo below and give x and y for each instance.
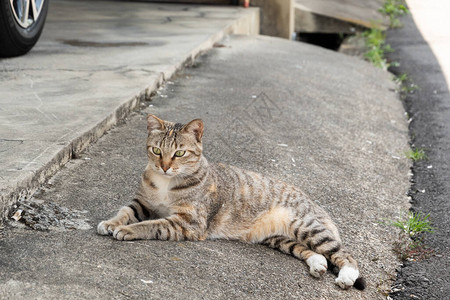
(401, 79)
(406, 84)
(410, 245)
(416, 154)
(375, 40)
(415, 224)
(409, 88)
(394, 9)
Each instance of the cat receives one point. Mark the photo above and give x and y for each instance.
(183, 197)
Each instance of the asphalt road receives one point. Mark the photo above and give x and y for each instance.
(429, 110)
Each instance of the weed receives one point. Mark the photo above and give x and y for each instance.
(409, 88)
(414, 250)
(416, 154)
(414, 224)
(409, 245)
(402, 78)
(375, 40)
(393, 9)
(406, 86)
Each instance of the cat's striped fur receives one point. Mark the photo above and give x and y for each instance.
(183, 197)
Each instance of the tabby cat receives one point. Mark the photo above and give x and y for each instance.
(183, 197)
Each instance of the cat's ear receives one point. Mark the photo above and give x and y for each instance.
(154, 123)
(195, 127)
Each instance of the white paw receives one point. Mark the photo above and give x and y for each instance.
(102, 228)
(317, 265)
(347, 276)
(125, 233)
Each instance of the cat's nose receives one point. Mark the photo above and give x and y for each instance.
(165, 168)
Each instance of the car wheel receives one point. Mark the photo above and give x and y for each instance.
(21, 24)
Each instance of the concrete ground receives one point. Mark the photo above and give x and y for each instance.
(94, 62)
(422, 46)
(328, 123)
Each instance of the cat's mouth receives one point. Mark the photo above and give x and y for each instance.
(167, 174)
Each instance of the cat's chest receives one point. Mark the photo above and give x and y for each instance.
(161, 200)
(162, 187)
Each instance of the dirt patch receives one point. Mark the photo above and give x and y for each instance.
(40, 215)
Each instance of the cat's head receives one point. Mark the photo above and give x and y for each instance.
(174, 148)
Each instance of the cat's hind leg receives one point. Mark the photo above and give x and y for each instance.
(317, 263)
(321, 236)
(325, 242)
(329, 245)
(348, 270)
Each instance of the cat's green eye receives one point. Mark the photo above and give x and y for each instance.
(180, 153)
(156, 150)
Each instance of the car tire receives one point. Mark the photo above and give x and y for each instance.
(18, 38)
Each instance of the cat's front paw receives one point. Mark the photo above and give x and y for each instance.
(125, 233)
(347, 277)
(106, 227)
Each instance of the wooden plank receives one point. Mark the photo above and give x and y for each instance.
(363, 13)
(214, 2)
(277, 17)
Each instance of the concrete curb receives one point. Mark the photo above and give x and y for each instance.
(28, 184)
